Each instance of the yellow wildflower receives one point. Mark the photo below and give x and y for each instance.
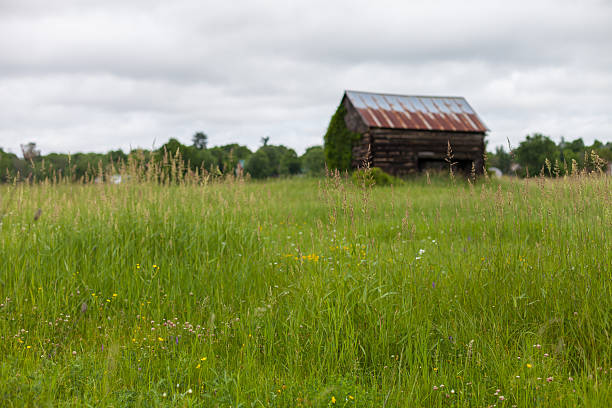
(333, 400)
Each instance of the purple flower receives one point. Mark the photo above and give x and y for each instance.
(103, 347)
(433, 285)
(176, 340)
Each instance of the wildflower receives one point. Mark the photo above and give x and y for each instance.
(333, 399)
(435, 387)
(160, 339)
(452, 391)
(114, 295)
(198, 366)
(203, 359)
(189, 391)
(164, 395)
(74, 353)
(501, 398)
(549, 379)
(433, 285)
(351, 397)
(570, 379)
(421, 251)
(529, 365)
(545, 354)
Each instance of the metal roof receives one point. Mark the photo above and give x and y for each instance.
(446, 113)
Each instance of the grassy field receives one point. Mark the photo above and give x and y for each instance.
(307, 293)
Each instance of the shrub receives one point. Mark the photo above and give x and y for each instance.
(373, 176)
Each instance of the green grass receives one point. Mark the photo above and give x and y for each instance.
(305, 292)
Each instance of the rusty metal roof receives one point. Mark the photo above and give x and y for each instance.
(446, 113)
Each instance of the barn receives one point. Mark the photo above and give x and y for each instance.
(403, 134)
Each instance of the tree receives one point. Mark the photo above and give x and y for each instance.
(29, 151)
(532, 153)
(265, 140)
(500, 159)
(258, 165)
(313, 161)
(290, 163)
(199, 140)
(228, 156)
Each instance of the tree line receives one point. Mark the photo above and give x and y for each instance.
(539, 154)
(267, 161)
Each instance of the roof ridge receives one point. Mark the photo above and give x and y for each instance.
(396, 94)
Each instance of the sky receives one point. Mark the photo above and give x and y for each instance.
(94, 76)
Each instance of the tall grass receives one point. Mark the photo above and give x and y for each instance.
(178, 291)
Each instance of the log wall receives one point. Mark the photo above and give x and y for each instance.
(398, 151)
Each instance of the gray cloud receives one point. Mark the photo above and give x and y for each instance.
(89, 75)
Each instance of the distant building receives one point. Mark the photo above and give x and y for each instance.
(402, 134)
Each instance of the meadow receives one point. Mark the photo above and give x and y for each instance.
(307, 293)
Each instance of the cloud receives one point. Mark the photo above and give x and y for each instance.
(94, 76)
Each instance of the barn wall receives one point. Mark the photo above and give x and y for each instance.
(398, 151)
(353, 120)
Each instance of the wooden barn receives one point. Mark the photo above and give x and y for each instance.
(402, 134)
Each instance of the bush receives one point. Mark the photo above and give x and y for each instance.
(373, 176)
(313, 161)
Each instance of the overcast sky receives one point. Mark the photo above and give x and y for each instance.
(80, 75)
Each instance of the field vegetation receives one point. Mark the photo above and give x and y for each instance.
(179, 289)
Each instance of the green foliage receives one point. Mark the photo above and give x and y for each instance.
(339, 142)
(539, 152)
(258, 165)
(313, 161)
(273, 161)
(373, 176)
(533, 152)
(228, 156)
(500, 159)
(7, 168)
